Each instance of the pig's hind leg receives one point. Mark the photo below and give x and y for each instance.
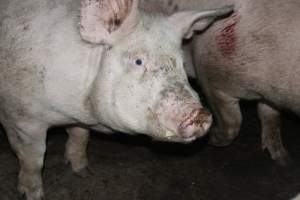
(271, 135)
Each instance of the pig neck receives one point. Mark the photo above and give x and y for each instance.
(68, 89)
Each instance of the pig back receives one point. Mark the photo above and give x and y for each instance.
(254, 53)
(42, 57)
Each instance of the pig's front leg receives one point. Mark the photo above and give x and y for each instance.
(76, 150)
(271, 135)
(227, 116)
(28, 139)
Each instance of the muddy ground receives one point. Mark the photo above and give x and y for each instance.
(135, 168)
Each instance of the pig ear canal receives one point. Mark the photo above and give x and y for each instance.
(188, 22)
(198, 26)
(105, 21)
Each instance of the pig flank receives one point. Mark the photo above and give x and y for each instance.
(93, 64)
(252, 55)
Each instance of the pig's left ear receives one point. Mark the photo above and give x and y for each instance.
(186, 22)
(107, 21)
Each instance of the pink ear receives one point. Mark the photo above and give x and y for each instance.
(101, 18)
(186, 22)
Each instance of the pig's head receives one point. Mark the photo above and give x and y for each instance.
(141, 86)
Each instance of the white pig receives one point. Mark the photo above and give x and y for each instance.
(93, 64)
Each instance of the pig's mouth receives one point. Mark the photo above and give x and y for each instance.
(175, 137)
(193, 126)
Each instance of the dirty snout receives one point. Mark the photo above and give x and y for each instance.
(195, 124)
(181, 117)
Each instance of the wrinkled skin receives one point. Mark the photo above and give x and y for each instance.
(120, 69)
(252, 55)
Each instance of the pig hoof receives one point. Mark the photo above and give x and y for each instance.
(284, 161)
(280, 156)
(85, 172)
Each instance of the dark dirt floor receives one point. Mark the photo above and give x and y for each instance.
(135, 168)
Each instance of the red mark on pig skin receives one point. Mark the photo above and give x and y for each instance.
(226, 38)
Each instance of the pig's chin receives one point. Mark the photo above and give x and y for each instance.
(168, 135)
(175, 138)
(185, 132)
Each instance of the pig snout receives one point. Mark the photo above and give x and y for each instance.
(179, 116)
(196, 124)
(184, 123)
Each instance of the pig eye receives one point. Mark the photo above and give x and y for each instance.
(139, 62)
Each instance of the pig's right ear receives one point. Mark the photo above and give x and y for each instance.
(106, 21)
(186, 22)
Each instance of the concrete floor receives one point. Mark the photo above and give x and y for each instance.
(135, 168)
